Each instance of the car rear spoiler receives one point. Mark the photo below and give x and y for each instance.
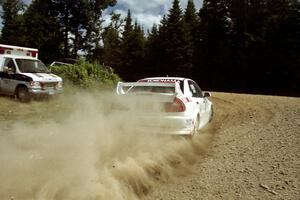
(124, 87)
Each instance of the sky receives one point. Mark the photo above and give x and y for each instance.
(146, 12)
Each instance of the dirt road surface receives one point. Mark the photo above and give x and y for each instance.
(76, 148)
(254, 154)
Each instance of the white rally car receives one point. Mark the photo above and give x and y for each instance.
(181, 106)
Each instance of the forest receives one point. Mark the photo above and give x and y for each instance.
(250, 46)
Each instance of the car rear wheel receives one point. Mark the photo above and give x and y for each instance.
(211, 113)
(196, 125)
(23, 94)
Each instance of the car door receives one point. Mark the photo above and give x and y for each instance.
(197, 95)
(204, 99)
(7, 78)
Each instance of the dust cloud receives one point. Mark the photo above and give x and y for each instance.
(94, 151)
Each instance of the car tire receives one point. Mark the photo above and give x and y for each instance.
(211, 113)
(22, 94)
(196, 125)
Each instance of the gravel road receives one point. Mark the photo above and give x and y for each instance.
(254, 154)
(76, 148)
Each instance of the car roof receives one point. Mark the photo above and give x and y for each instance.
(19, 57)
(164, 78)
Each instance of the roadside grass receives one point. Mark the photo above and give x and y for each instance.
(57, 109)
(35, 112)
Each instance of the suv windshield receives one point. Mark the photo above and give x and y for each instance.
(31, 66)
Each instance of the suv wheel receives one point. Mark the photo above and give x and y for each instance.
(23, 94)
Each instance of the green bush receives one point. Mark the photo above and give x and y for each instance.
(86, 75)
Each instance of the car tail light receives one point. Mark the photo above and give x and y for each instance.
(176, 106)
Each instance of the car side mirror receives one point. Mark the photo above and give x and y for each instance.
(7, 69)
(206, 94)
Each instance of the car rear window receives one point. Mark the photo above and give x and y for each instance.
(165, 81)
(152, 89)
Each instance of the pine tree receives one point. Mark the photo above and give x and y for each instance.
(242, 45)
(127, 62)
(128, 26)
(191, 24)
(138, 51)
(162, 44)
(132, 47)
(237, 39)
(13, 29)
(263, 44)
(274, 50)
(177, 43)
(190, 16)
(94, 24)
(212, 47)
(43, 30)
(111, 55)
(80, 23)
(153, 53)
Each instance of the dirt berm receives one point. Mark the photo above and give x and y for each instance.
(77, 147)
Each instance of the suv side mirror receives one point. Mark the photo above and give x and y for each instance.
(7, 69)
(206, 94)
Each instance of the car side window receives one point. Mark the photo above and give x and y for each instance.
(10, 64)
(188, 92)
(195, 89)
